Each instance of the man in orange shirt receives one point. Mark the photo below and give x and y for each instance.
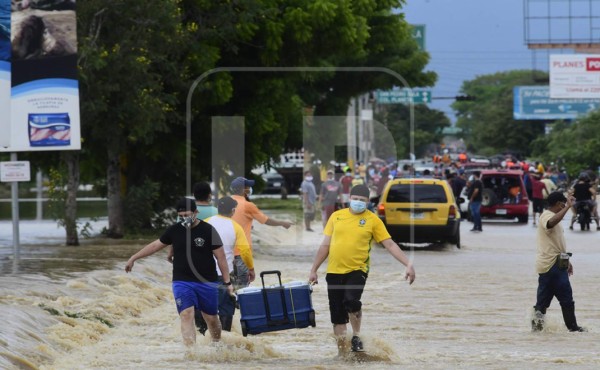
(245, 213)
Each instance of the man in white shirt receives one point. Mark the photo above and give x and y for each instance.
(233, 236)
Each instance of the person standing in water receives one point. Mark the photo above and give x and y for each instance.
(347, 244)
(195, 284)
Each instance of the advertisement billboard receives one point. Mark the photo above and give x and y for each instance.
(575, 76)
(43, 108)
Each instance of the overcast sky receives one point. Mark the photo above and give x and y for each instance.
(468, 38)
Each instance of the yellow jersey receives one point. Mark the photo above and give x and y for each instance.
(351, 236)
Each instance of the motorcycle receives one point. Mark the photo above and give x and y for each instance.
(584, 215)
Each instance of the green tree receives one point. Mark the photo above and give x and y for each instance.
(128, 53)
(318, 33)
(138, 59)
(488, 124)
(426, 130)
(574, 146)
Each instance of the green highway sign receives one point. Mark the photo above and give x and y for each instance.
(403, 96)
(534, 102)
(418, 33)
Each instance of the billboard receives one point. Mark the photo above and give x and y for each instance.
(575, 76)
(43, 108)
(534, 102)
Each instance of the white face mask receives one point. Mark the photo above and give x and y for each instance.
(249, 192)
(358, 206)
(308, 178)
(188, 221)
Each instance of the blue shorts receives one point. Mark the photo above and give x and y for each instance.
(202, 296)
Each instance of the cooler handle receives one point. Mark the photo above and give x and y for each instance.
(271, 272)
(270, 321)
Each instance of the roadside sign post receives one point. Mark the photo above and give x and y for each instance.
(13, 172)
(403, 96)
(418, 34)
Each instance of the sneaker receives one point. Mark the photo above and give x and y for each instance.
(578, 329)
(357, 345)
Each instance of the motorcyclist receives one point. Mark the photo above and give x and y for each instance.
(584, 191)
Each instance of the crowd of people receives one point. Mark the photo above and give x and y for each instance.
(212, 256)
(210, 247)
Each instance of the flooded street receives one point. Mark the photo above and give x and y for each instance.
(468, 308)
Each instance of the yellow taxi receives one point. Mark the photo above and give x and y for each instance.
(420, 210)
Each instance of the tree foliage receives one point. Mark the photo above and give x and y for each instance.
(574, 146)
(488, 124)
(425, 129)
(138, 60)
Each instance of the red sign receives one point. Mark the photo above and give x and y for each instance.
(592, 64)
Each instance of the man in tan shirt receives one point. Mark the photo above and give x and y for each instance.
(553, 265)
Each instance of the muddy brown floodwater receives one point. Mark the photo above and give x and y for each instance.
(75, 308)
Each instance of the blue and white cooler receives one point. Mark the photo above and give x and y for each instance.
(275, 307)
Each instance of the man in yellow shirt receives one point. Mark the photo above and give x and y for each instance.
(553, 265)
(347, 243)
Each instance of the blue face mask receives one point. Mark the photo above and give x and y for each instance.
(358, 206)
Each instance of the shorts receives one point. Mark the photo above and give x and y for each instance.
(226, 302)
(344, 292)
(240, 277)
(538, 205)
(201, 296)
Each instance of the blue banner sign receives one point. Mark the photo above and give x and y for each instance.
(534, 102)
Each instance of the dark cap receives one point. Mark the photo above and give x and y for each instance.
(225, 205)
(241, 182)
(185, 204)
(555, 197)
(360, 190)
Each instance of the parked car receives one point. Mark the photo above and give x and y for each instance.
(274, 182)
(504, 195)
(417, 210)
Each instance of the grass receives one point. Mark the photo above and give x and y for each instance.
(290, 204)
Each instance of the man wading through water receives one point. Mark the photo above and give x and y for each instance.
(347, 243)
(195, 285)
(553, 265)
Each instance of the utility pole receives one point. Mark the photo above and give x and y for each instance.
(351, 123)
